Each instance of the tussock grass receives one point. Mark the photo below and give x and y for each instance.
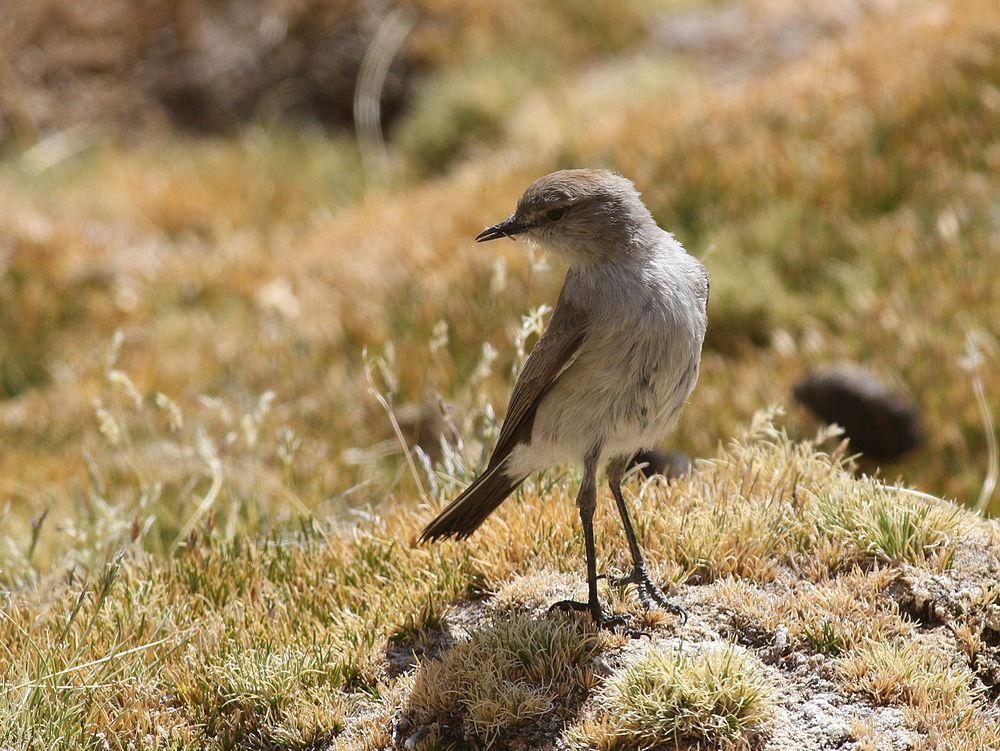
(893, 529)
(762, 505)
(828, 617)
(508, 674)
(714, 697)
(297, 640)
(267, 696)
(941, 698)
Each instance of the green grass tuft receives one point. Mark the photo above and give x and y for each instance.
(715, 696)
(504, 676)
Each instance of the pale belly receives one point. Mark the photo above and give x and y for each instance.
(623, 393)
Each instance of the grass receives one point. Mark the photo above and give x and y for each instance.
(303, 639)
(939, 696)
(206, 514)
(239, 266)
(717, 697)
(509, 674)
(828, 617)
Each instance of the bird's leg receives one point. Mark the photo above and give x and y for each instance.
(586, 500)
(647, 591)
(587, 507)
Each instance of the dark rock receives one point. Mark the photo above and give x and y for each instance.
(425, 424)
(880, 422)
(670, 464)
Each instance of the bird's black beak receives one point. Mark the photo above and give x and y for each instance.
(507, 228)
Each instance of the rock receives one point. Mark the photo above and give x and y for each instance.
(780, 640)
(424, 425)
(414, 740)
(880, 422)
(670, 464)
(602, 667)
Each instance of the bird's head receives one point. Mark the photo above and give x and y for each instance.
(585, 215)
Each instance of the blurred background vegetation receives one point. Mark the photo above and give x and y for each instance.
(200, 241)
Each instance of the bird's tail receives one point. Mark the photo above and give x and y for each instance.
(463, 516)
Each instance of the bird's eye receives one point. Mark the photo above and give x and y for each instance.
(556, 214)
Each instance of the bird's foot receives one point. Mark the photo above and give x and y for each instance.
(608, 622)
(648, 593)
(570, 605)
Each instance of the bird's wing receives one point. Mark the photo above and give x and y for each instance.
(554, 352)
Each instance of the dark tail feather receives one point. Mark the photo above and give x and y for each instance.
(463, 516)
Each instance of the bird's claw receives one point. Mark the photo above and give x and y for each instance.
(648, 593)
(616, 623)
(619, 624)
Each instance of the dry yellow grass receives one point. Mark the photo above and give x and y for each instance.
(242, 266)
(716, 697)
(941, 697)
(205, 522)
(831, 616)
(506, 675)
(304, 638)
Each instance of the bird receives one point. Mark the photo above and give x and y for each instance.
(611, 372)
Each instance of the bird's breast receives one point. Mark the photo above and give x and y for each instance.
(631, 375)
(627, 383)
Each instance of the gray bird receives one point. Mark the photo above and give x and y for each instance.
(613, 369)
